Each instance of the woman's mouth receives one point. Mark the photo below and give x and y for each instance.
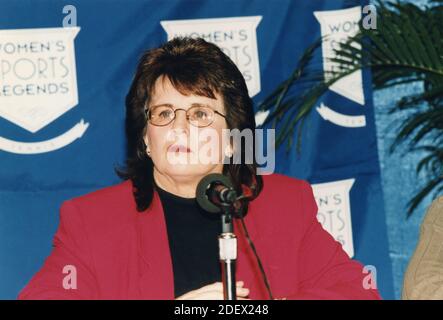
(178, 148)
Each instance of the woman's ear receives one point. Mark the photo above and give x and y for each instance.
(148, 149)
(228, 151)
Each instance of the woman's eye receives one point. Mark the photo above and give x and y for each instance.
(164, 114)
(200, 114)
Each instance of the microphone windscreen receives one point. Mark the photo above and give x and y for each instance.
(204, 187)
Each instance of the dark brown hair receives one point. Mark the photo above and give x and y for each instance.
(193, 66)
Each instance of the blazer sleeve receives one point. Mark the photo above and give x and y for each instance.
(68, 272)
(424, 276)
(326, 272)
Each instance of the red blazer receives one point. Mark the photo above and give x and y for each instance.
(120, 253)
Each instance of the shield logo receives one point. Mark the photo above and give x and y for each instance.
(235, 36)
(334, 211)
(38, 81)
(338, 26)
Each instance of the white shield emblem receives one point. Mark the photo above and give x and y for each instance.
(235, 36)
(38, 80)
(334, 211)
(338, 26)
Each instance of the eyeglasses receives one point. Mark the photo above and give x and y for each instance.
(199, 115)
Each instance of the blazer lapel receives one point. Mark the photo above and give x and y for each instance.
(157, 278)
(247, 267)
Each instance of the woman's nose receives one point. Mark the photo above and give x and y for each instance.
(180, 120)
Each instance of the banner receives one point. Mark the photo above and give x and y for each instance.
(65, 71)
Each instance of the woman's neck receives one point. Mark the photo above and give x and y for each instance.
(182, 186)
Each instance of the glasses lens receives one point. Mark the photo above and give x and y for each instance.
(161, 115)
(201, 116)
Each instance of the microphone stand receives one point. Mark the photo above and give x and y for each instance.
(223, 201)
(227, 242)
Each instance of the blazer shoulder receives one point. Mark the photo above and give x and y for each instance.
(286, 204)
(280, 182)
(112, 202)
(285, 191)
(110, 194)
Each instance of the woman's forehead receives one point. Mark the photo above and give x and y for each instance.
(164, 92)
(194, 104)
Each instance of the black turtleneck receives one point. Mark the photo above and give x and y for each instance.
(193, 241)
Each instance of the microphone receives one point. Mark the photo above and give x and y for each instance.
(215, 192)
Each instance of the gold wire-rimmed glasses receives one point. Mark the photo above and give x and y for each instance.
(197, 115)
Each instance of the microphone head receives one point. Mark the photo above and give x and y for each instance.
(205, 184)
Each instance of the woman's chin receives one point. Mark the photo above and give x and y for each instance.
(191, 170)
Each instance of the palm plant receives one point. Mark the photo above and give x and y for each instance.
(406, 47)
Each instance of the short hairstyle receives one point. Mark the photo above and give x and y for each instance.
(194, 66)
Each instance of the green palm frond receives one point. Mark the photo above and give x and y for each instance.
(406, 47)
(288, 109)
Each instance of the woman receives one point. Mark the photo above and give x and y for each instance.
(147, 238)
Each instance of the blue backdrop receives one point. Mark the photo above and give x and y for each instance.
(62, 111)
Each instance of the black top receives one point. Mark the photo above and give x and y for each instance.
(193, 241)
